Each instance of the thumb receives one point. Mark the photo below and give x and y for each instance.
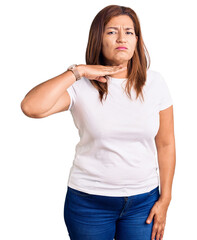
(102, 79)
(150, 217)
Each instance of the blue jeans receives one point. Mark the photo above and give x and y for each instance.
(96, 217)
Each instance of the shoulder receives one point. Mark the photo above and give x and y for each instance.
(154, 78)
(81, 82)
(153, 75)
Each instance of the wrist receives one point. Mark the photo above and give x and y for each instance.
(165, 199)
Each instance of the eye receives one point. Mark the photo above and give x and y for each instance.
(114, 32)
(110, 32)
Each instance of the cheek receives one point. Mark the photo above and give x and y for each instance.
(132, 45)
(107, 47)
(106, 43)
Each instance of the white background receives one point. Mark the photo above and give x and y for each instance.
(39, 40)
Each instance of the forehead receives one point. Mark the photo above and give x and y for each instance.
(122, 20)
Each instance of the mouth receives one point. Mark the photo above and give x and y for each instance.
(121, 48)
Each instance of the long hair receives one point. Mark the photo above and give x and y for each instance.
(137, 65)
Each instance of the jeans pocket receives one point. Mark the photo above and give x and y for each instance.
(154, 191)
(79, 193)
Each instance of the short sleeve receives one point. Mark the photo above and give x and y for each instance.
(165, 98)
(72, 93)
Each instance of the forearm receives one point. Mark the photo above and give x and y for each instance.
(166, 161)
(43, 96)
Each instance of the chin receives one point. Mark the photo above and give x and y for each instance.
(122, 61)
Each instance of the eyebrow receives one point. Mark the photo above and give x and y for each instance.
(117, 28)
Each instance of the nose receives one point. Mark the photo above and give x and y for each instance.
(121, 37)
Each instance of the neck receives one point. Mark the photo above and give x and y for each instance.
(122, 74)
(119, 75)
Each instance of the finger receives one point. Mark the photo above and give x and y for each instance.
(158, 236)
(117, 70)
(154, 231)
(119, 67)
(112, 68)
(122, 68)
(150, 217)
(159, 233)
(102, 79)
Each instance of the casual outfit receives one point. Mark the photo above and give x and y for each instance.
(115, 158)
(116, 152)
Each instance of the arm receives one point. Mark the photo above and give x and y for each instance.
(165, 143)
(49, 95)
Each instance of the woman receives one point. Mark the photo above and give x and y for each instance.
(113, 186)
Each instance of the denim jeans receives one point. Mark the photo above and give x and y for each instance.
(96, 217)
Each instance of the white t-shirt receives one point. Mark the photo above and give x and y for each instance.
(116, 154)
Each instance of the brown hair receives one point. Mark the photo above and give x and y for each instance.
(137, 65)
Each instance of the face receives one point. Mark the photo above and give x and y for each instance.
(119, 31)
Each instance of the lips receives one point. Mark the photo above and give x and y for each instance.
(121, 47)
